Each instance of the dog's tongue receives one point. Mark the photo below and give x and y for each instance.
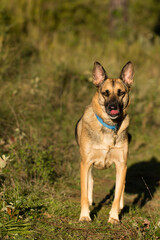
(114, 112)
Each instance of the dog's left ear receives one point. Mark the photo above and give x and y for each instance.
(127, 74)
(99, 74)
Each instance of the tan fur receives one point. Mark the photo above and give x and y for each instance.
(98, 147)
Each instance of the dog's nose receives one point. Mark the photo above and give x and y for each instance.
(112, 107)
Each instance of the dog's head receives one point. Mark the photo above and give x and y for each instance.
(113, 93)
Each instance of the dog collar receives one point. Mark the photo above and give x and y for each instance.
(105, 124)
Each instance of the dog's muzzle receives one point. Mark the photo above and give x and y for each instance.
(113, 109)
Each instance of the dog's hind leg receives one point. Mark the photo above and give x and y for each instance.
(84, 216)
(90, 187)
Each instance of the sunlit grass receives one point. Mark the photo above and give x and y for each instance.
(46, 82)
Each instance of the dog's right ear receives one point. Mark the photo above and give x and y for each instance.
(99, 74)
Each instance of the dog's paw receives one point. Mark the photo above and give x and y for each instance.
(85, 219)
(113, 221)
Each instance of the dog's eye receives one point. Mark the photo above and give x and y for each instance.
(120, 93)
(106, 93)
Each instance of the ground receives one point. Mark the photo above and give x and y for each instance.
(41, 101)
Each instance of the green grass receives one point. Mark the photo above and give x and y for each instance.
(46, 82)
(41, 182)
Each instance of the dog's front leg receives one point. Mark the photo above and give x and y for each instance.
(121, 169)
(122, 198)
(90, 187)
(84, 216)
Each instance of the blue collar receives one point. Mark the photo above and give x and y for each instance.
(106, 125)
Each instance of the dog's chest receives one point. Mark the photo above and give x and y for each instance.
(106, 140)
(101, 151)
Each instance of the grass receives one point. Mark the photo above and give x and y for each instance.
(40, 186)
(45, 86)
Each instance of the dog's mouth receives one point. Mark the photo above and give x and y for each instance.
(113, 110)
(114, 113)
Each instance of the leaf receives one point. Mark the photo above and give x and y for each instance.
(158, 233)
(4, 157)
(2, 163)
(9, 211)
(146, 223)
(2, 142)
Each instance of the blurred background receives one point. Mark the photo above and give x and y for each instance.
(47, 51)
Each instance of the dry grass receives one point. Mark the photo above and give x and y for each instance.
(45, 85)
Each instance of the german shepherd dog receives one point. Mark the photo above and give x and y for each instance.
(102, 136)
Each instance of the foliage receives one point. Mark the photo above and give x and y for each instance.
(47, 50)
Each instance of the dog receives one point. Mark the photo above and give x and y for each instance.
(102, 136)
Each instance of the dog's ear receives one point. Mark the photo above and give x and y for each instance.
(99, 74)
(127, 74)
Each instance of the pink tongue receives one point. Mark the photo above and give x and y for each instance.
(114, 112)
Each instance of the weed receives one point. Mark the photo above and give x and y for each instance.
(47, 50)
